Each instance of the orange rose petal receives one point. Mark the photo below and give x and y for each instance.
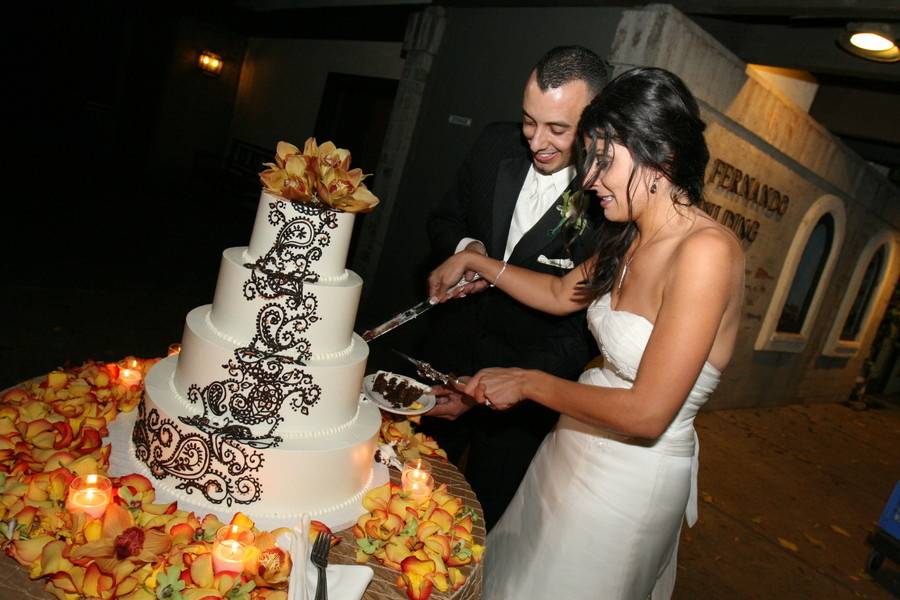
(427, 529)
(52, 560)
(28, 551)
(202, 571)
(442, 518)
(457, 579)
(440, 544)
(416, 574)
(182, 533)
(96, 584)
(70, 582)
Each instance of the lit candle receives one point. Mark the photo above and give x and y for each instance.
(130, 377)
(419, 491)
(174, 349)
(231, 549)
(415, 471)
(416, 481)
(89, 494)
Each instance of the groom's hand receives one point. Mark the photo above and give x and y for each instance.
(451, 403)
(442, 281)
(498, 388)
(475, 286)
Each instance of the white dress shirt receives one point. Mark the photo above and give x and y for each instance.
(538, 194)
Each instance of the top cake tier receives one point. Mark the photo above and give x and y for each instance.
(292, 238)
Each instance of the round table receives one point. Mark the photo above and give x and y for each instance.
(14, 580)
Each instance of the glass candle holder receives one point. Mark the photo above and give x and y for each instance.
(415, 470)
(90, 494)
(129, 376)
(416, 480)
(231, 549)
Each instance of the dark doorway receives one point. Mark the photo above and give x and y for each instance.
(354, 114)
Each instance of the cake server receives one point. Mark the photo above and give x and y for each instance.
(409, 314)
(424, 369)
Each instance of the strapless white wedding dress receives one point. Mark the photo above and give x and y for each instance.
(598, 515)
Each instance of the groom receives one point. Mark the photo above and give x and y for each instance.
(507, 202)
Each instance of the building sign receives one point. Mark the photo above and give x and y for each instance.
(730, 180)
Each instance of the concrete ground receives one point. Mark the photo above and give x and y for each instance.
(788, 498)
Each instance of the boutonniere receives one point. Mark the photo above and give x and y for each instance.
(568, 208)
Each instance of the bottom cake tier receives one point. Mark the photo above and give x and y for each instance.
(216, 470)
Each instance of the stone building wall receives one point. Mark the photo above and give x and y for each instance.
(755, 129)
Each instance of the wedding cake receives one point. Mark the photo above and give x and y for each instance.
(261, 410)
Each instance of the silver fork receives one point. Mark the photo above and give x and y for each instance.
(319, 557)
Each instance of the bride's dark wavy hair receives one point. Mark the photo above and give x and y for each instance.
(651, 112)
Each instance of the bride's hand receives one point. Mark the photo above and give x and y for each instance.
(498, 388)
(442, 280)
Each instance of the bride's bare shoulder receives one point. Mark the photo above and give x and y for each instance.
(711, 244)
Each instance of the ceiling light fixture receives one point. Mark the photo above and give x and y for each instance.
(210, 63)
(872, 41)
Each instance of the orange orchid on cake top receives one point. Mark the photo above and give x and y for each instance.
(318, 175)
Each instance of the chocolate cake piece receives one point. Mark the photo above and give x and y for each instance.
(399, 392)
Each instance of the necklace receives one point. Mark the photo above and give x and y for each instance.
(627, 261)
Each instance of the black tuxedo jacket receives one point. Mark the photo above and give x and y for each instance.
(490, 329)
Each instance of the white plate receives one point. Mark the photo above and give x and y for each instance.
(426, 400)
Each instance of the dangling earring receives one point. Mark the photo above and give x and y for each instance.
(653, 188)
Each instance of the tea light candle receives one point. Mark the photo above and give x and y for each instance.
(130, 377)
(174, 349)
(231, 549)
(415, 471)
(89, 494)
(419, 490)
(416, 480)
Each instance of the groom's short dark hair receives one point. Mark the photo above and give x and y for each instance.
(563, 64)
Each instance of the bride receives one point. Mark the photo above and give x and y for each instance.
(599, 513)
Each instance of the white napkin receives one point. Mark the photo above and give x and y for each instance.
(345, 582)
(298, 545)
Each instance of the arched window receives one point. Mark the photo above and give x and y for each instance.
(804, 277)
(869, 282)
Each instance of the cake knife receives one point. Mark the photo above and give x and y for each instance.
(409, 314)
(424, 369)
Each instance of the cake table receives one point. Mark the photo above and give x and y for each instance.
(15, 582)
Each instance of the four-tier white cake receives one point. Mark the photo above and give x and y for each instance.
(261, 411)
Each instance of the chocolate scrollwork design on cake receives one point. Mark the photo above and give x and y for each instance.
(268, 371)
(212, 462)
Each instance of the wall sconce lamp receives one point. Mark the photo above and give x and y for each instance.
(210, 63)
(872, 41)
